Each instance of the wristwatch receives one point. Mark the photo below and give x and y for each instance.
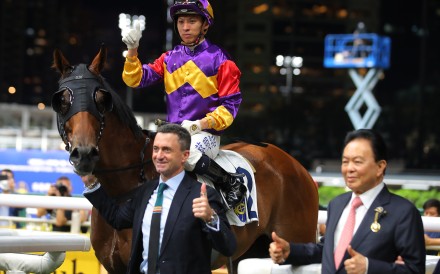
(214, 219)
(92, 185)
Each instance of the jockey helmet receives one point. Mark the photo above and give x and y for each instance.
(201, 7)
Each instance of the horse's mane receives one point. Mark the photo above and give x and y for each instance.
(122, 111)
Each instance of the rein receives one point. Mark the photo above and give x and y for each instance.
(133, 166)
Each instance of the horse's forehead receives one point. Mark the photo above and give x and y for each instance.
(83, 84)
(80, 73)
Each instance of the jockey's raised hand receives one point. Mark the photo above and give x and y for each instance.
(131, 37)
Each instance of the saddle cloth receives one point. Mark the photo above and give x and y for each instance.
(247, 211)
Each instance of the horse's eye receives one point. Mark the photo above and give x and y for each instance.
(103, 101)
(62, 101)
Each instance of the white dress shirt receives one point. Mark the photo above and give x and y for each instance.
(367, 199)
(168, 195)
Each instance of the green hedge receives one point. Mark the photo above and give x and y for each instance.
(417, 197)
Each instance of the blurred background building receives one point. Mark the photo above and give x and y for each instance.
(306, 119)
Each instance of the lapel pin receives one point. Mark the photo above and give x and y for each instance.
(375, 226)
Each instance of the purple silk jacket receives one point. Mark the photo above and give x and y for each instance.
(199, 83)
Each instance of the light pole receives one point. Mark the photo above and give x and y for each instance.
(127, 22)
(290, 65)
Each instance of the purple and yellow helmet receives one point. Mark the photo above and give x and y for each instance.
(201, 7)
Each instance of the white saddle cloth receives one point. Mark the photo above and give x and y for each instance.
(247, 211)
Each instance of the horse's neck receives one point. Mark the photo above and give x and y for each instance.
(121, 160)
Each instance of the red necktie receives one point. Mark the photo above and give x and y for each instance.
(347, 232)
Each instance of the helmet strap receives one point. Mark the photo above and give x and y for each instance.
(195, 43)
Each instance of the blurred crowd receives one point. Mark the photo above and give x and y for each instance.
(56, 219)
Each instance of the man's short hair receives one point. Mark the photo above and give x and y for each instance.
(378, 145)
(432, 203)
(182, 134)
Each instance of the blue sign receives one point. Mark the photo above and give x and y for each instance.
(38, 170)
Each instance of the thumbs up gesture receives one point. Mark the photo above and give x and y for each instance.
(131, 37)
(279, 249)
(357, 263)
(201, 208)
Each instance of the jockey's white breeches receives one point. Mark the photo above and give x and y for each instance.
(202, 143)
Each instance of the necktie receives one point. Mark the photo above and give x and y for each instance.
(153, 247)
(347, 232)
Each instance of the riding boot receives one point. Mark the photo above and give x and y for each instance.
(228, 184)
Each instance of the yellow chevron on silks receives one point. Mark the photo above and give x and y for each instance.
(190, 73)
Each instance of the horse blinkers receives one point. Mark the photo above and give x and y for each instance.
(81, 91)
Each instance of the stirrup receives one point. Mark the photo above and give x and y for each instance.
(226, 202)
(228, 195)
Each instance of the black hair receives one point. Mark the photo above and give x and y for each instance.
(7, 170)
(378, 145)
(432, 203)
(182, 134)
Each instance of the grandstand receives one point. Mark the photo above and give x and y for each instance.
(27, 127)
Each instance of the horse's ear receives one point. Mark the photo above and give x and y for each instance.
(99, 62)
(60, 63)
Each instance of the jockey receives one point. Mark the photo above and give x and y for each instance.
(202, 89)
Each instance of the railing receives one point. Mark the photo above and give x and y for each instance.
(75, 224)
(49, 202)
(72, 203)
(266, 266)
(14, 242)
(27, 127)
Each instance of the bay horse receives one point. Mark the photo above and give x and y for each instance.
(103, 138)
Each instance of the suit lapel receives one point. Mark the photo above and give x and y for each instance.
(180, 196)
(139, 215)
(364, 228)
(145, 198)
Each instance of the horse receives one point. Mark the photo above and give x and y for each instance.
(103, 138)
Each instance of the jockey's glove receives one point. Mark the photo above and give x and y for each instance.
(193, 127)
(132, 36)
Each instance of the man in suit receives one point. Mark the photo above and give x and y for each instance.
(388, 229)
(192, 221)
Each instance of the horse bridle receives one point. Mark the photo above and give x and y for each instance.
(85, 83)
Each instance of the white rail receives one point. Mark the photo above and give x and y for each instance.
(36, 241)
(52, 202)
(54, 244)
(75, 203)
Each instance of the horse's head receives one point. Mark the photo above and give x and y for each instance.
(81, 101)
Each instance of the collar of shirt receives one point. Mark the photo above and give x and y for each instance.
(173, 183)
(368, 197)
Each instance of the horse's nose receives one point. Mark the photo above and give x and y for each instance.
(84, 156)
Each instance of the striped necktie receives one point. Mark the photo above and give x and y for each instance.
(153, 247)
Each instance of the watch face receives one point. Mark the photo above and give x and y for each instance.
(214, 220)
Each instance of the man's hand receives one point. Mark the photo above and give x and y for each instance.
(193, 127)
(201, 208)
(399, 260)
(279, 249)
(357, 264)
(53, 191)
(131, 37)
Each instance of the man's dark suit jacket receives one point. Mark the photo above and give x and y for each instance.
(401, 234)
(187, 242)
